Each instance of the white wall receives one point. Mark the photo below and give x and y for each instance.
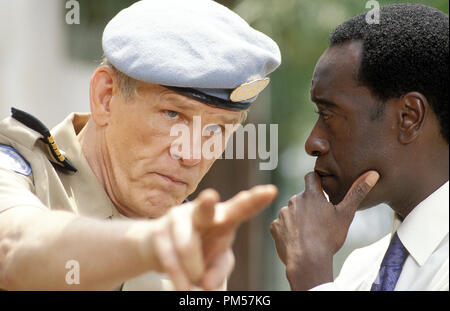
(36, 74)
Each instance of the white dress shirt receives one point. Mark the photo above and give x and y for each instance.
(424, 233)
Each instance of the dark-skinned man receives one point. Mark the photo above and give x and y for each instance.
(381, 92)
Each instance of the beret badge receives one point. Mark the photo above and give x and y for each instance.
(249, 90)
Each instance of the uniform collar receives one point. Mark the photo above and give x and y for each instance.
(83, 186)
(426, 225)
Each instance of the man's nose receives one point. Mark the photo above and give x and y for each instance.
(188, 152)
(192, 160)
(316, 146)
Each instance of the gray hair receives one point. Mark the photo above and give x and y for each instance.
(128, 86)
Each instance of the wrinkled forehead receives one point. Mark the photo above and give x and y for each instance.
(337, 68)
(159, 94)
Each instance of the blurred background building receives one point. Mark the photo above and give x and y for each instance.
(46, 66)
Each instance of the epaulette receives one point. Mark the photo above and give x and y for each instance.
(36, 125)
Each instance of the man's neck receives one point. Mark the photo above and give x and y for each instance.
(91, 148)
(421, 183)
(94, 149)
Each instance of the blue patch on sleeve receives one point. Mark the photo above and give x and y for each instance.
(11, 159)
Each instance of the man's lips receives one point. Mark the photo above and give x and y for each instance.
(322, 173)
(172, 179)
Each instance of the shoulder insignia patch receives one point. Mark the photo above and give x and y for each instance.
(11, 159)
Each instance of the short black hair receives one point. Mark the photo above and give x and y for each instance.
(406, 51)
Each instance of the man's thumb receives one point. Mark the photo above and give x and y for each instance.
(358, 191)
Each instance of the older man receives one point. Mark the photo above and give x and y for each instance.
(381, 92)
(82, 194)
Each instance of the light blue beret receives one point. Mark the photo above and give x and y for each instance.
(196, 47)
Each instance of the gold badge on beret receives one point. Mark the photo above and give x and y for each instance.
(249, 90)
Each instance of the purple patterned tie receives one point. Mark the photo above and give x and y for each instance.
(391, 266)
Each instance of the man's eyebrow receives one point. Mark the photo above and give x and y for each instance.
(323, 102)
(180, 104)
(183, 106)
(229, 120)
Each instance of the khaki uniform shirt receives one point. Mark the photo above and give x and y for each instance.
(48, 188)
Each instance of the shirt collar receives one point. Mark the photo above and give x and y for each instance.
(89, 195)
(426, 225)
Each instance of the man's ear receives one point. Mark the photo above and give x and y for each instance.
(411, 116)
(102, 89)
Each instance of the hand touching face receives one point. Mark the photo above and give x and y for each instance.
(310, 230)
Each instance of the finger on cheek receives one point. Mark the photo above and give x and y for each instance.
(358, 191)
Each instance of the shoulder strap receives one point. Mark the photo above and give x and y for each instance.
(36, 125)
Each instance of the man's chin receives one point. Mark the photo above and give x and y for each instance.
(335, 199)
(334, 195)
(368, 202)
(156, 207)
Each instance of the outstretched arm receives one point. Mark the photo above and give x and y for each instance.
(192, 243)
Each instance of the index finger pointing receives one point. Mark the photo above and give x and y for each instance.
(246, 204)
(203, 213)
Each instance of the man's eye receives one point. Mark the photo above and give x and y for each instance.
(171, 114)
(322, 114)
